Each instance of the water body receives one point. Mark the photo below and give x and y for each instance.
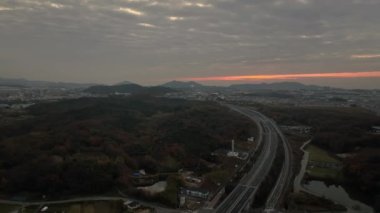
(337, 194)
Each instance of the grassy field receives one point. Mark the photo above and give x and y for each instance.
(320, 155)
(325, 173)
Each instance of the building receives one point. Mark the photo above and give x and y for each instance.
(195, 193)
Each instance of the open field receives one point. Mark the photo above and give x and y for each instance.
(318, 154)
(325, 173)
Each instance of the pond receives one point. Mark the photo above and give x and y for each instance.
(338, 195)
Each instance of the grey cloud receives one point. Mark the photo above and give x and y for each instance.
(95, 40)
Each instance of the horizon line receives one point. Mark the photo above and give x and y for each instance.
(342, 75)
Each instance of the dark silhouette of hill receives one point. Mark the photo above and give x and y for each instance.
(182, 85)
(18, 82)
(191, 85)
(128, 88)
(124, 82)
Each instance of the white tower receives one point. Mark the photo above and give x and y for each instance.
(232, 153)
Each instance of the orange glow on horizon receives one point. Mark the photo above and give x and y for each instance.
(368, 74)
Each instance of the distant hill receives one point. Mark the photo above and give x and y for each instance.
(124, 82)
(122, 88)
(275, 86)
(183, 85)
(158, 90)
(191, 85)
(128, 88)
(18, 82)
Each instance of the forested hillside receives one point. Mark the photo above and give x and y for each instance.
(92, 145)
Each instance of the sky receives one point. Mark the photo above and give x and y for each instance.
(325, 42)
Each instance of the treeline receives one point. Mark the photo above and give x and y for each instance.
(336, 129)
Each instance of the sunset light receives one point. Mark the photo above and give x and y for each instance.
(368, 74)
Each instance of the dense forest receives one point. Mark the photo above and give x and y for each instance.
(92, 145)
(342, 130)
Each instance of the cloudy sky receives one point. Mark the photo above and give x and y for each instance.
(213, 41)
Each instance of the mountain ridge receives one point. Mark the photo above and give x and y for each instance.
(21, 82)
(186, 85)
(182, 84)
(131, 88)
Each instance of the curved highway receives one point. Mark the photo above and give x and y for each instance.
(282, 184)
(242, 195)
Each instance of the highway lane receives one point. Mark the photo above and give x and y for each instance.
(284, 178)
(259, 173)
(242, 202)
(243, 193)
